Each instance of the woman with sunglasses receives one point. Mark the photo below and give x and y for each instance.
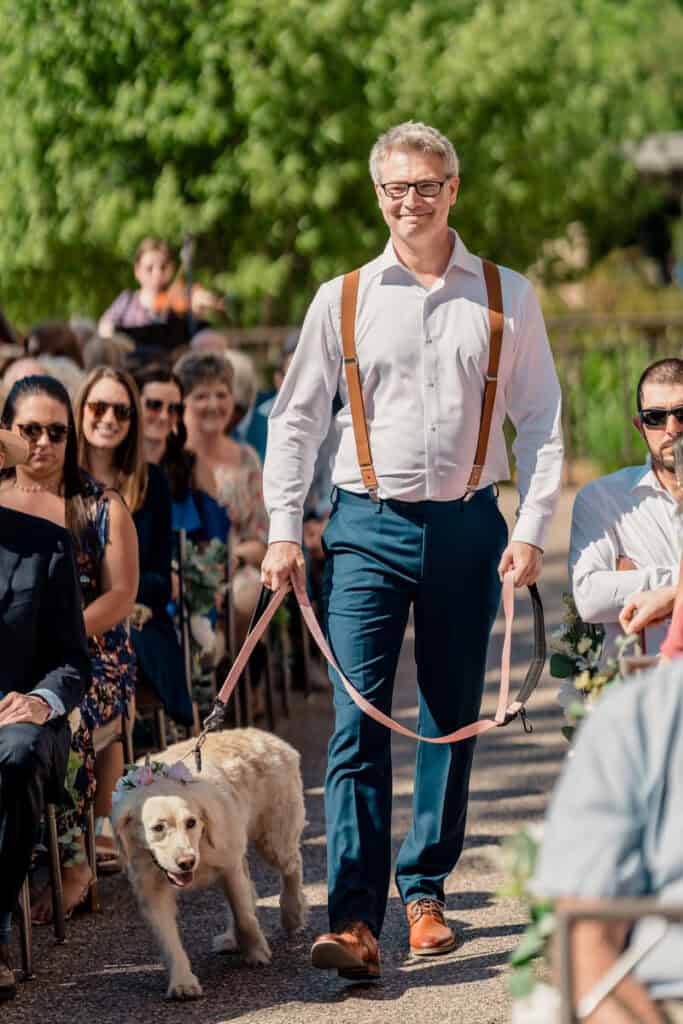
(110, 421)
(192, 484)
(52, 486)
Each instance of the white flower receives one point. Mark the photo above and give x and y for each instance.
(542, 1006)
(203, 633)
(584, 645)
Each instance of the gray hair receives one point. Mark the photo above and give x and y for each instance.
(417, 136)
(245, 385)
(196, 368)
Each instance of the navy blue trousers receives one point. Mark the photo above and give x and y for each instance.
(441, 558)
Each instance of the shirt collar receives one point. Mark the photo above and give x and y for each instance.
(648, 478)
(460, 257)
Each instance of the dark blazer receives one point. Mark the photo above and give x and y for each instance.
(42, 636)
(160, 659)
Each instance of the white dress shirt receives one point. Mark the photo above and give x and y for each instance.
(626, 513)
(423, 355)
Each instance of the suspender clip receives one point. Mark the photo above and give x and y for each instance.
(469, 493)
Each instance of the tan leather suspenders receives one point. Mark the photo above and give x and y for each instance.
(360, 427)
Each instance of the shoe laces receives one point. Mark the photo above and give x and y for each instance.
(418, 908)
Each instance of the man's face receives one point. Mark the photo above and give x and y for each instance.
(659, 440)
(415, 219)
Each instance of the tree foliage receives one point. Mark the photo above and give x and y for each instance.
(250, 123)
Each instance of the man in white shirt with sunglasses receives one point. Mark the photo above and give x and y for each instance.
(626, 527)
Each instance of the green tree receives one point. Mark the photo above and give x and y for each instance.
(250, 122)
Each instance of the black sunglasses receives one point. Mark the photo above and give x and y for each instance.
(122, 412)
(56, 432)
(657, 418)
(157, 404)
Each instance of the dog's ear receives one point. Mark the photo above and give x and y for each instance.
(207, 831)
(123, 833)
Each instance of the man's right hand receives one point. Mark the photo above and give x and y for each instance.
(284, 562)
(647, 608)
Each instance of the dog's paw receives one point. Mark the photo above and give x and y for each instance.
(257, 953)
(225, 943)
(294, 915)
(185, 987)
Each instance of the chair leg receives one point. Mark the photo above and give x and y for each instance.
(286, 645)
(55, 874)
(26, 931)
(127, 743)
(160, 728)
(91, 851)
(306, 657)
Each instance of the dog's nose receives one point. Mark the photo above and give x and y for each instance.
(186, 863)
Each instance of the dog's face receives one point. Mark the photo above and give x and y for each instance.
(169, 825)
(172, 828)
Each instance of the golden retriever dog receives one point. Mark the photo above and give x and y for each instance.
(177, 829)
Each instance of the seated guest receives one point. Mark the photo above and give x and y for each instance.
(193, 487)
(109, 421)
(625, 544)
(207, 381)
(24, 367)
(51, 484)
(111, 351)
(613, 831)
(54, 338)
(46, 670)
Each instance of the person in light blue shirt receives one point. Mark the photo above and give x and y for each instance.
(614, 830)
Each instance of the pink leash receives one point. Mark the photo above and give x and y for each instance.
(504, 712)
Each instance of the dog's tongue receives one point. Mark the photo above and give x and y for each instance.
(182, 878)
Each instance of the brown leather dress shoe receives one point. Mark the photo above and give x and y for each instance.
(429, 933)
(354, 952)
(8, 981)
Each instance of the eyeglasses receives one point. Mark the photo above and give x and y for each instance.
(157, 404)
(122, 412)
(56, 432)
(656, 418)
(400, 189)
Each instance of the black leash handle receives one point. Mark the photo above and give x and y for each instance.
(537, 663)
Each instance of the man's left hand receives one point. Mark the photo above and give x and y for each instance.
(22, 707)
(525, 559)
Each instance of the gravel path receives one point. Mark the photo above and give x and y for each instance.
(109, 971)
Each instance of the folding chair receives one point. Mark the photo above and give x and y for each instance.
(606, 910)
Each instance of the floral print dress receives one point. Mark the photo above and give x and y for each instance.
(113, 675)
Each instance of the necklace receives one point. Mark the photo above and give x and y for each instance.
(36, 489)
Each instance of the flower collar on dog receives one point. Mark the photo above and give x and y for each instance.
(144, 775)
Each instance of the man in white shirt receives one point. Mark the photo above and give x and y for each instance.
(422, 336)
(625, 543)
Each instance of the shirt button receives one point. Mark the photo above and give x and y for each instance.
(428, 341)
(432, 428)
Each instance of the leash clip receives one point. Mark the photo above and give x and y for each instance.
(526, 724)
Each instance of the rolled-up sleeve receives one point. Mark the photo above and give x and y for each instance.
(599, 589)
(534, 404)
(300, 420)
